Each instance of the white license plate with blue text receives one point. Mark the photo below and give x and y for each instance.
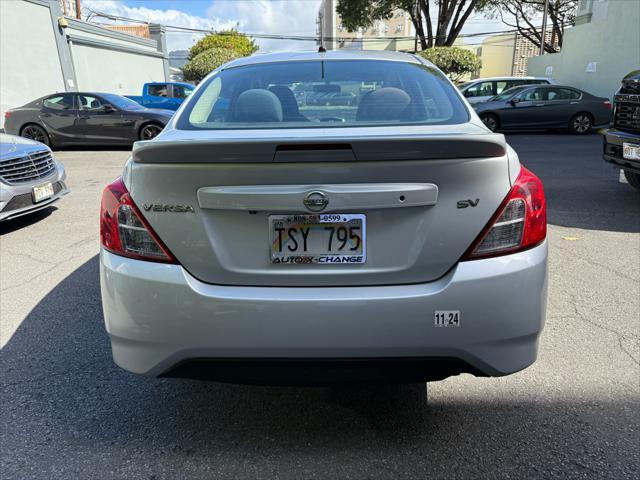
(325, 239)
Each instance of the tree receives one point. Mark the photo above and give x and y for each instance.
(214, 50)
(205, 62)
(518, 14)
(454, 61)
(226, 39)
(452, 15)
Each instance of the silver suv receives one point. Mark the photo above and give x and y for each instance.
(261, 239)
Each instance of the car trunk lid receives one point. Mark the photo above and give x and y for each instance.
(407, 187)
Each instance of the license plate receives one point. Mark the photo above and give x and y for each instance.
(331, 238)
(631, 151)
(42, 192)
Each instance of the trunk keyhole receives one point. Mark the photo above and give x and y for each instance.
(402, 198)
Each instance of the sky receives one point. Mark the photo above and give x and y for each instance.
(292, 17)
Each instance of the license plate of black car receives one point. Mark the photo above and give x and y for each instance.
(325, 239)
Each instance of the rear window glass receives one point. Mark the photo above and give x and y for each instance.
(340, 93)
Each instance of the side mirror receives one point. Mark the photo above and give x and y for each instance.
(514, 101)
(106, 108)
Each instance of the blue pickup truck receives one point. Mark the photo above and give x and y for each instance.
(167, 95)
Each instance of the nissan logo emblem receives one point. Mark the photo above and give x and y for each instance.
(315, 201)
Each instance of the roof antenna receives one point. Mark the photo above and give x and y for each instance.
(321, 49)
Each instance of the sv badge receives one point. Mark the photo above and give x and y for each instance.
(160, 207)
(468, 203)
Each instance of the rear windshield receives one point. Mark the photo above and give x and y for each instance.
(340, 93)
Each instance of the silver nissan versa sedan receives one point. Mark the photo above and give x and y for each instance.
(262, 238)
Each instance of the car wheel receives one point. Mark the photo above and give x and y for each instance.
(149, 131)
(35, 132)
(580, 123)
(633, 179)
(490, 121)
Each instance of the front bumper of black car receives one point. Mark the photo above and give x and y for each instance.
(613, 140)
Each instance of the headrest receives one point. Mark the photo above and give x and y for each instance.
(383, 104)
(257, 105)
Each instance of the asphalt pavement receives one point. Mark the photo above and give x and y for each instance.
(69, 413)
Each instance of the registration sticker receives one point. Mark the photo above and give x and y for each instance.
(447, 318)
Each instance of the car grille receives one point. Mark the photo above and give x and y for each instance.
(627, 117)
(27, 168)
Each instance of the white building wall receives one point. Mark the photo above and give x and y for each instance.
(29, 64)
(103, 70)
(596, 55)
(39, 57)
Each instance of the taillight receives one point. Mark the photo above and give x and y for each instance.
(7, 114)
(520, 222)
(607, 104)
(123, 229)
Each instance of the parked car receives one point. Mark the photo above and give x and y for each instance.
(402, 241)
(30, 177)
(622, 139)
(85, 119)
(482, 89)
(545, 106)
(167, 95)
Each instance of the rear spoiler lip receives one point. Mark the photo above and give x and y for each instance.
(336, 149)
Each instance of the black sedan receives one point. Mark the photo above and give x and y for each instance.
(85, 119)
(544, 106)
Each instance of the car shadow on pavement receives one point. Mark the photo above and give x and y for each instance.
(92, 148)
(69, 412)
(583, 191)
(18, 223)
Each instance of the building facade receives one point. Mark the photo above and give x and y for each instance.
(61, 53)
(601, 49)
(507, 55)
(396, 33)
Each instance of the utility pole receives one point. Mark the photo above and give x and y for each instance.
(418, 19)
(321, 17)
(544, 26)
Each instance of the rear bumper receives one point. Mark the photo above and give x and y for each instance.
(159, 318)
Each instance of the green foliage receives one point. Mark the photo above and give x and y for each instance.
(226, 39)
(356, 14)
(215, 50)
(453, 61)
(207, 61)
(451, 16)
